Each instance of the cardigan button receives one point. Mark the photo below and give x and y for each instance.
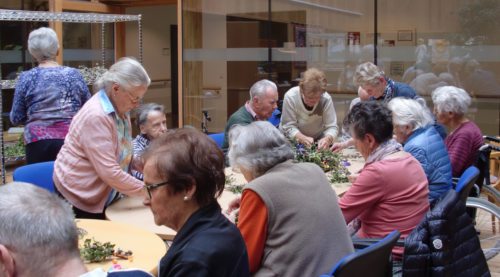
(437, 243)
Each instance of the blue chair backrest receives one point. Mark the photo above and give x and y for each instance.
(467, 181)
(375, 259)
(218, 138)
(275, 118)
(39, 174)
(129, 273)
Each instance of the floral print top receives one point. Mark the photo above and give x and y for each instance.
(46, 99)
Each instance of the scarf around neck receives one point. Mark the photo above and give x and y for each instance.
(383, 150)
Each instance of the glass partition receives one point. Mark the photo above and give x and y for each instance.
(228, 45)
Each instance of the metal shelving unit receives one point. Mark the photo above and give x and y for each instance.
(68, 17)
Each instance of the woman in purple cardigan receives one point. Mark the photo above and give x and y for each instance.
(464, 136)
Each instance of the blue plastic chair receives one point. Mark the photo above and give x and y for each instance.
(466, 182)
(129, 273)
(218, 138)
(39, 174)
(374, 260)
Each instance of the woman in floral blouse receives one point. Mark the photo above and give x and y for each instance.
(46, 98)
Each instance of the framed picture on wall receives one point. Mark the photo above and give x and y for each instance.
(405, 35)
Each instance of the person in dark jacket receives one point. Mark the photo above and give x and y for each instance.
(445, 243)
(183, 176)
(414, 129)
(373, 80)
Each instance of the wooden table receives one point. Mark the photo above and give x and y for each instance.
(131, 210)
(146, 246)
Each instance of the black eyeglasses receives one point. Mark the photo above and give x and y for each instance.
(149, 188)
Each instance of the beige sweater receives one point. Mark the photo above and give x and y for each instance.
(317, 123)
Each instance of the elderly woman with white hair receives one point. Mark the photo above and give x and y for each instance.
(464, 136)
(414, 129)
(46, 98)
(93, 165)
(287, 209)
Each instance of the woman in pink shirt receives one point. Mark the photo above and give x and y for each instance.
(391, 191)
(93, 164)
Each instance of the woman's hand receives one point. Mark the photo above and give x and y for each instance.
(234, 205)
(352, 177)
(339, 146)
(325, 142)
(305, 140)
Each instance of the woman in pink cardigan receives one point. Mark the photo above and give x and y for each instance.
(391, 191)
(93, 164)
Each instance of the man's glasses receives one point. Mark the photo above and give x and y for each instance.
(149, 188)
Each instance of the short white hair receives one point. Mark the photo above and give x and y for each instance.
(410, 112)
(451, 99)
(257, 147)
(126, 72)
(367, 74)
(39, 226)
(43, 44)
(260, 88)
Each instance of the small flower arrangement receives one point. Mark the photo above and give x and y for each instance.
(331, 162)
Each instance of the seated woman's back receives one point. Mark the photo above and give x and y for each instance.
(306, 230)
(427, 146)
(388, 195)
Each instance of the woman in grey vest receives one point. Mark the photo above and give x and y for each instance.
(289, 216)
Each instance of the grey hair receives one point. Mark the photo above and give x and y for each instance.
(367, 74)
(410, 112)
(451, 99)
(257, 147)
(38, 226)
(260, 88)
(143, 111)
(43, 44)
(126, 72)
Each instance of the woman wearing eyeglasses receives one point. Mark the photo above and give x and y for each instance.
(308, 113)
(93, 164)
(184, 176)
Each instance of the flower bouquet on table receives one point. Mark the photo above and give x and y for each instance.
(334, 163)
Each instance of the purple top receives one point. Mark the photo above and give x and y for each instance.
(46, 99)
(463, 145)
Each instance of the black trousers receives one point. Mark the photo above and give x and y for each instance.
(81, 213)
(43, 150)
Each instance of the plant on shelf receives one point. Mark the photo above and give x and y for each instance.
(16, 150)
(331, 162)
(91, 74)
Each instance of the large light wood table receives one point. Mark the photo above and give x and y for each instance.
(146, 246)
(131, 210)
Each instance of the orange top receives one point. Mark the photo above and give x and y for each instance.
(252, 223)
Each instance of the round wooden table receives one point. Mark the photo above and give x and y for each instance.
(130, 210)
(146, 246)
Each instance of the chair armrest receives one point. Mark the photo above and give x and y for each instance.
(360, 243)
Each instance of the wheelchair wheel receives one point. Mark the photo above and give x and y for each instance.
(492, 194)
(487, 225)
